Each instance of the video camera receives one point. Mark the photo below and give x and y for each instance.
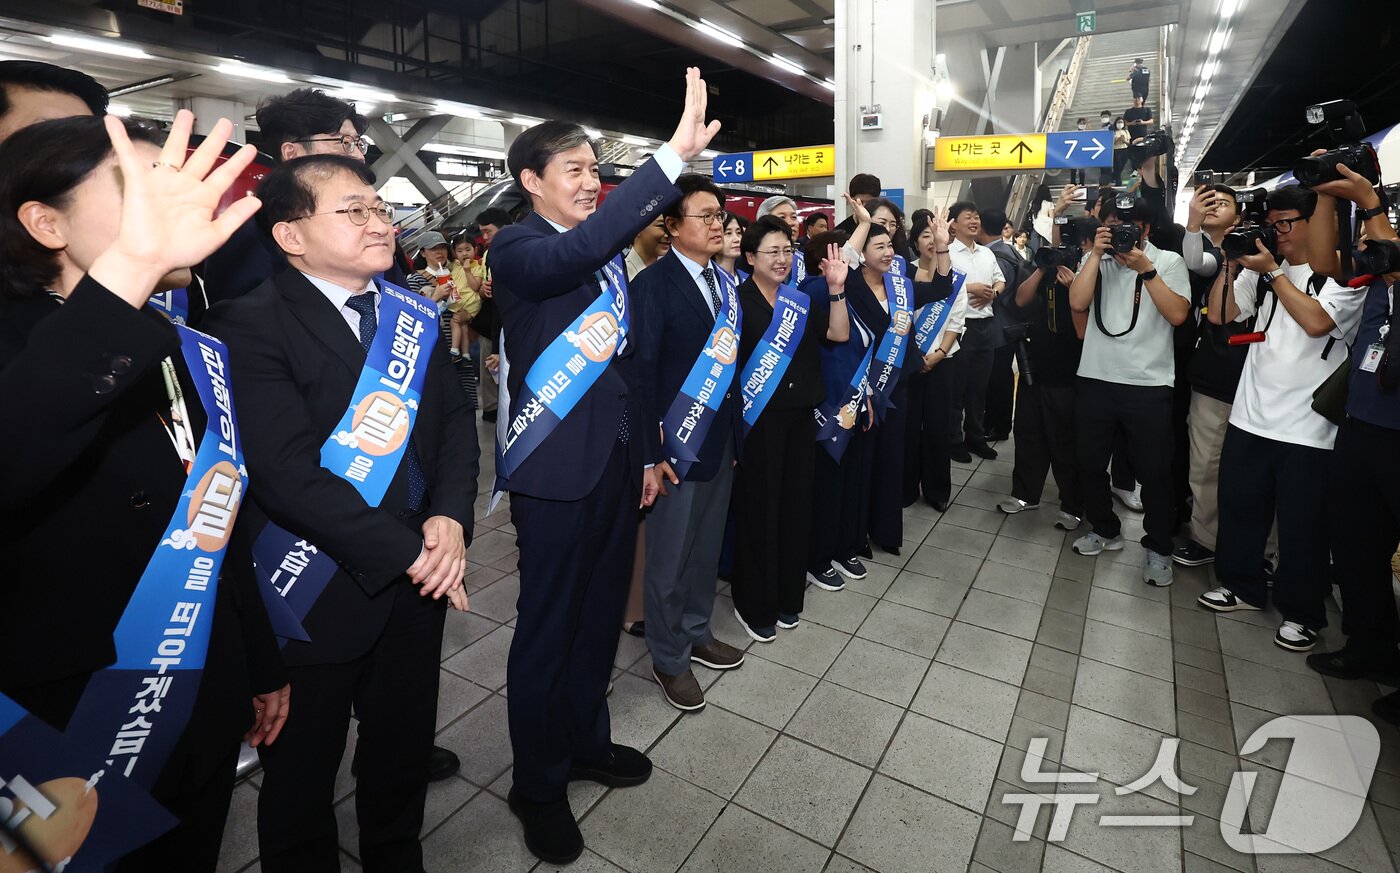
(1254, 204)
(1346, 127)
(1067, 253)
(1380, 256)
(1150, 146)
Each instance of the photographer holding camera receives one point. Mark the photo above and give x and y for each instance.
(1364, 493)
(1126, 375)
(1277, 449)
(1045, 408)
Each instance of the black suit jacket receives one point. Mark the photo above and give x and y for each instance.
(88, 483)
(678, 325)
(541, 281)
(295, 363)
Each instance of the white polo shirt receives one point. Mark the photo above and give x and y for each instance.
(980, 265)
(1143, 356)
(1274, 397)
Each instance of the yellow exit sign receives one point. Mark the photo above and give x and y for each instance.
(1012, 152)
(794, 163)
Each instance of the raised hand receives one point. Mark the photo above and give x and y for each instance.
(834, 269)
(1352, 186)
(167, 215)
(1203, 202)
(857, 208)
(941, 234)
(1067, 195)
(692, 134)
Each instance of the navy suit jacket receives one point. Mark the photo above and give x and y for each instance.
(541, 281)
(678, 325)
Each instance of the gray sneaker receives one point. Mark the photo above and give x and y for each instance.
(1157, 569)
(1067, 521)
(1013, 505)
(1092, 544)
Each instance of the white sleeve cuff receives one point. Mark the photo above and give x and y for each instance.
(669, 162)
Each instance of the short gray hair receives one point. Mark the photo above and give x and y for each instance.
(767, 206)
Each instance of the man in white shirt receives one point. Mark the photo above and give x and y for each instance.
(1134, 294)
(1276, 453)
(967, 433)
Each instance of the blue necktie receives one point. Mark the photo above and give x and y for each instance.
(369, 323)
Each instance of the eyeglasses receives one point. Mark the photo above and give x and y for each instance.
(359, 213)
(707, 217)
(775, 253)
(347, 142)
(1284, 225)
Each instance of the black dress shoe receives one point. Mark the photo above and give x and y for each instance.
(983, 451)
(940, 505)
(960, 453)
(442, 763)
(890, 550)
(1349, 663)
(551, 832)
(865, 551)
(623, 768)
(635, 628)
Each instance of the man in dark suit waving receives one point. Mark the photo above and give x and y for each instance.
(574, 442)
(355, 425)
(689, 356)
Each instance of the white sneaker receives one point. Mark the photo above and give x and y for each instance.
(1294, 637)
(1065, 521)
(1129, 499)
(1222, 599)
(1013, 505)
(1092, 544)
(1157, 569)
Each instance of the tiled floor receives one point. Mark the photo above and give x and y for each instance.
(883, 733)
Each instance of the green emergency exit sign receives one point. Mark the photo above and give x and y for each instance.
(1086, 22)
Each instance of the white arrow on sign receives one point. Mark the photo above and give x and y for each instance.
(1097, 149)
(724, 166)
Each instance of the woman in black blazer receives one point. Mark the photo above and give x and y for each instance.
(773, 480)
(92, 223)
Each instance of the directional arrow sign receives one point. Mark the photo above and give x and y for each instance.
(1079, 148)
(1024, 152)
(1020, 150)
(803, 163)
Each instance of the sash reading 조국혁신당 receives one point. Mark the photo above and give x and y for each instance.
(837, 417)
(132, 713)
(928, 324)
(365, 448)
(887, 363)
(763, 371)
(687, 422)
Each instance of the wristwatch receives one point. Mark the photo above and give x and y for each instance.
(1272, 275)
(835, 297)
(1149, 275)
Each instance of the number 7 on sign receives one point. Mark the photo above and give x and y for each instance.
(1070, 153)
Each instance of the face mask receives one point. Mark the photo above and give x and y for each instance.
(1120, 125)
(1082, 126)
(1104, 119)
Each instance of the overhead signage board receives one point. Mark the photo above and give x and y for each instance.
(1024, 152)
(1086, 22)
(800, 163)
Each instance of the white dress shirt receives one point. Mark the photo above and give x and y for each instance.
(981, 266)
(338, 296)
(694, 270)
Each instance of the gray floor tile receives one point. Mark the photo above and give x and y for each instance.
(1200, 659)
(985, 480)
(942, 564)
(840, 864)
(1013, 581)
(714, 749)
(846, 722)
(1196, 627)
(740, 840)
(1036, 527)
(588, 862)
(1204, 681)
(639, 712)
(490, 546)
(996, 612)
(481, 836)
(1127, 579)
(809, 647)
(1125, 610)
(1023, 730)
(1034, 557)
(1061, 630)
(461, 629)
(1119, 751)
(804, 789)
(1068, 595)
(455, 696)
(1054, 660)
(1127, 695)
(975, 543)
(1199, 729)
(763, 691)
(997, 850)
(1286, 693)
(1043, 709)
(878, 670)
(1049, 683)
(878, 576)
(897, 828)
(1250, 643)
(240, 842)
(481, 738)
(484, 661)
(984, 496)
(1192, 701)
(973, 519)
(1135, 849)
(1073, 565)
(1058, 860)
(904, 628)
(497, 600)
(1127, 648)
(943, 760)
(725, 626)
(444, 798)
(653, 826)
(842, 610)
(927, 593)
(986, 652)
(967, 700)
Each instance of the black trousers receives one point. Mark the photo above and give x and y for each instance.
(1260, 477)
(1001, 391)
(1077, 175)
(886, 523)
(1181, 437)
(927, 466)
(772, 515)
(840, 501)
(1120, 161)
(1124, 479)
(1364, 513)
(972, 371)
(1144, 413)
(393, 689)
(575, 570)
(202, 810)
(1045, 442)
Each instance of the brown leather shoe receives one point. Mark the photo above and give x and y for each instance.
(682, 691)
(717, 655)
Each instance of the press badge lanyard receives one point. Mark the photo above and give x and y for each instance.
(1376, 360)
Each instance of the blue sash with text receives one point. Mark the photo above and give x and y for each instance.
(888, 361)
(763, 371)
(799, 268)
(174, 304)
(365, 449)
(688, 421)
(837, 418)
(566, 369)
(928, 324)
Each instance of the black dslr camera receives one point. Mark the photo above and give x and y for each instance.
(1254, 204)
(1242, 242)
(1150, 146)
(1347, 129)
(1067, 253)
(1125, 237)
(1380, 256)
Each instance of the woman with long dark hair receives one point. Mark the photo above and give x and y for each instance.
(129, 445)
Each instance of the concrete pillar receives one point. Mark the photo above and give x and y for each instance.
(208, 110)
(509, 131)
(1015, 102)
(884, 63)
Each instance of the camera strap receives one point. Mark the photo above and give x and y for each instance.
(1098, 307)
